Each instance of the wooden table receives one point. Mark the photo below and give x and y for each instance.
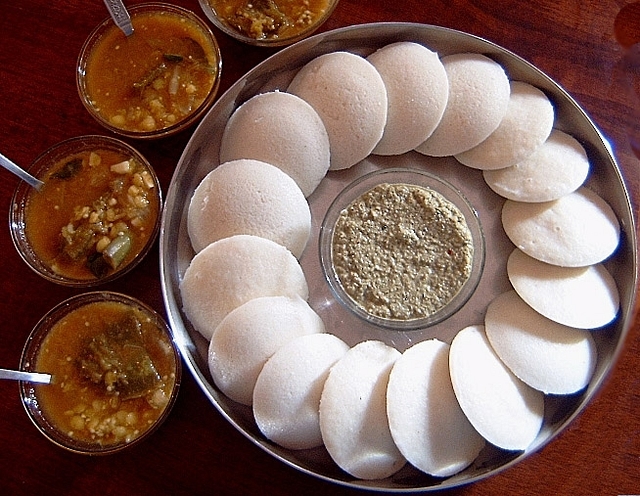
(196, 450)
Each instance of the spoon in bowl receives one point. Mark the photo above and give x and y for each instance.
(21, 173)
(19, 375)
(120, 15)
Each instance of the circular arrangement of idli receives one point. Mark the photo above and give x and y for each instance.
(247, 196)
(548, 356)
(435, 406)
(525, 126)
(576, 230)
(353, 106)
(417, 93)
(478, 100)
(302, 145)
(558, 167)
(234, 270)
(250, 334)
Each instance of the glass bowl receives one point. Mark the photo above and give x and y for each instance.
(285, 22)
(156, 82)
(390, 243)
(96, 217)
(115, 373)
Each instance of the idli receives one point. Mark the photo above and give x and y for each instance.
(286, 396)
(576, 230)
(247, 196)
(349, 95)
(548, 356)
(502, 408)
(558, 167)
(353, 414)
(478, 100)
(250, 334)
(425, 419)
(524, 128)
(580, 297)
(417, 94)
(283, 130)
(231, 272)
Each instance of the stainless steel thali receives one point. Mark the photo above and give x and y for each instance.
(201, 155)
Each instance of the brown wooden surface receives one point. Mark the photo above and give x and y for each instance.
(196, 451)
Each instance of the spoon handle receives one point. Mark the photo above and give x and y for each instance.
(21, 173)
(120, 15)
(18, 375)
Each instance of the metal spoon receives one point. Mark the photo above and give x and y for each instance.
(18, 375)
(21, 173)
(120, 15)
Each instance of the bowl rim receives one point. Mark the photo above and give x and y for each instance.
(23, 191)
(28, 395)
(108, 24)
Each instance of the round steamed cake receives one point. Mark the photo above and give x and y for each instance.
(548, 356)
(425, 420)
(558, 167)
(231, 272)
(349, 95)
(250, 334)
(353, 414)
(581, 297)
(478, 99)
(502, 408)
(524, 128)
(283, 130)
(247, 196)
(575, 230)
(417, 93)
(286, 396)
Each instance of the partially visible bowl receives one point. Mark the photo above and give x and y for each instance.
(156, 82)
(96, 217)
(115, 373)
(268, 23)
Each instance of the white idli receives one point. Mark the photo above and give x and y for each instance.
(558, 167)
(580, 297)
(502, 408)
(283, 130)
(478, 99)
(524, 128)
(417, 93)
(353, 415)
(425, 419)
(247, 196)
(250, 334)
(286, 396)
(349, 95)
(231, 272)
(576, 230)
(548, 356)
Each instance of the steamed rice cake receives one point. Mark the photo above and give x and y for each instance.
(232, 271)
(286, 396)
(478, 100)
(283, 130)
(503, 409)
(417, 93)
(353, 414)
(247, 196)
(548, 356)
(425, 419)
(558, 167)
(575, 230)
(580, 297)
(250, 334)
(349, 95)
(525, 127)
